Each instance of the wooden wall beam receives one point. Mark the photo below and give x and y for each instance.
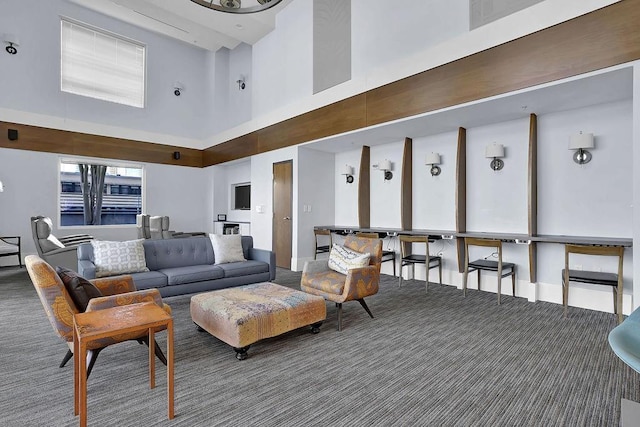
(364, 188)
(461, 194)
(36, 138)
(533, 195)
(406, 189)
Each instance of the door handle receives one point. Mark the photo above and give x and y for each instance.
(287, 218)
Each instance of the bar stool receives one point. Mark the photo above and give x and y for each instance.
(487, 265)
(387, 255)
(409, 258)
(594, 277)
(320, 249)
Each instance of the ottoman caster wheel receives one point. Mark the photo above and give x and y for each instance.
(241, 353)
(315, 328)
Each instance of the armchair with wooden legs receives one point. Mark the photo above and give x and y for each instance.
(319, 279)
(60, 307)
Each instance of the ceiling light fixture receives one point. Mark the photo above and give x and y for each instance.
(235, 6)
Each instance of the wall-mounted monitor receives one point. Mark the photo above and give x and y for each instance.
(242, 197)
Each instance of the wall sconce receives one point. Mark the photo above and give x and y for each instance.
(433, 159)
(241, 82)
(12, 41)
(580, 142)
(178, 87)
(495, 151)
(348, 172)
(385, 166)
(1, 187)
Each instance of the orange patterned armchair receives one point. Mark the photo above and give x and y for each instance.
(60, 307)
(319, 279)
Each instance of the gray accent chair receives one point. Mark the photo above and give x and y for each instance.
(142, 225)
(56, 251)
(157, 227)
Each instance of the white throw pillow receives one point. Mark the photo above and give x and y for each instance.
(342, 259)
(112, 258)
(227, 248)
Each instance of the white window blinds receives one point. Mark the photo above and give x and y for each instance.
(101, 65)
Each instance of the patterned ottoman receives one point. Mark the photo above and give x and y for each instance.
(246, 314)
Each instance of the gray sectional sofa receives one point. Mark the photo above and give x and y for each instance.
(185, 266)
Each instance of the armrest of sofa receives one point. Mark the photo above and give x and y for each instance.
(114, 285)
(86, 268)
(265, 256)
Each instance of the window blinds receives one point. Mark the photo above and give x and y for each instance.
(101, 65)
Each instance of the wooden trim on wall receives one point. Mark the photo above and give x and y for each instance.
(364, 189)
(600, 39)
(533, 194)
(461, 193)
(406, 186)
(36, 138)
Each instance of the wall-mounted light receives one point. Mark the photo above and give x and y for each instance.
(348, 172)
(433, 159)
(12, 41)
(241, 82)
(385, 166)
(580, 142)
(178, 87)
(1, 187)
(496, 152)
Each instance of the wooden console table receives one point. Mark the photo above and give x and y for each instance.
(112, 322)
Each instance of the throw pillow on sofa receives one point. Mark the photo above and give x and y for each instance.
(80, 289)
(112, 258)
(342, 259)
(227, 248)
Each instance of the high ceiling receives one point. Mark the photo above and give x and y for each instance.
(187, 21)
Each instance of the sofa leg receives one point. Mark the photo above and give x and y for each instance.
(241, 353)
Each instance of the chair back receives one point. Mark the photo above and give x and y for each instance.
(159, 227)
(54, 297)
(487, 243)
(617, 251)
(142, 226)
(366, 245)
(407, 240)
(41, 230)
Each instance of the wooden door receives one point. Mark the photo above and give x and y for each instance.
(282, 212)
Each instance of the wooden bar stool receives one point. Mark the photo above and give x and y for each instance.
(387, 255)
(322, 248)
(409, 258)
(594, 277)
(503, 269)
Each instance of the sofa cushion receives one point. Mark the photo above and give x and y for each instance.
(244, 268)
(149, 279)
(171, 253)
(227, 248)
(80, 289)
(342, 259)
(112, 258)
(192, 273)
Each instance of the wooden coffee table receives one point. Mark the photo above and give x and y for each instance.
(94, 326)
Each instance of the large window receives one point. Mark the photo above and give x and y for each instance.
(99, 194)
(101, 65)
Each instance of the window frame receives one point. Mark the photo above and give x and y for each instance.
(116, 36)
(108, 163)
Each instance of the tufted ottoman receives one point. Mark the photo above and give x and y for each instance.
(243, 315)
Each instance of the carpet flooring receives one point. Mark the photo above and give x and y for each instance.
(427, 359)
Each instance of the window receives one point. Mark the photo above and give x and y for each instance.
(99, 194)
(101, 65)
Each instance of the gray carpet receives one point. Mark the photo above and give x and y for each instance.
(426, 359)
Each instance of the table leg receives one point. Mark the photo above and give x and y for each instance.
(76, 370)
(152, 359)
(170, 390)
(82, 367)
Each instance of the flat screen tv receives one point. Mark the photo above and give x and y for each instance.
(242, 197)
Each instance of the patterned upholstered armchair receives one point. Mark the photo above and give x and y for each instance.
(319, 279)
(60, 307)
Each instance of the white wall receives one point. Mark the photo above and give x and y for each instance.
(346, 203)
(385, 194)
(31, 79)
(32, 186)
